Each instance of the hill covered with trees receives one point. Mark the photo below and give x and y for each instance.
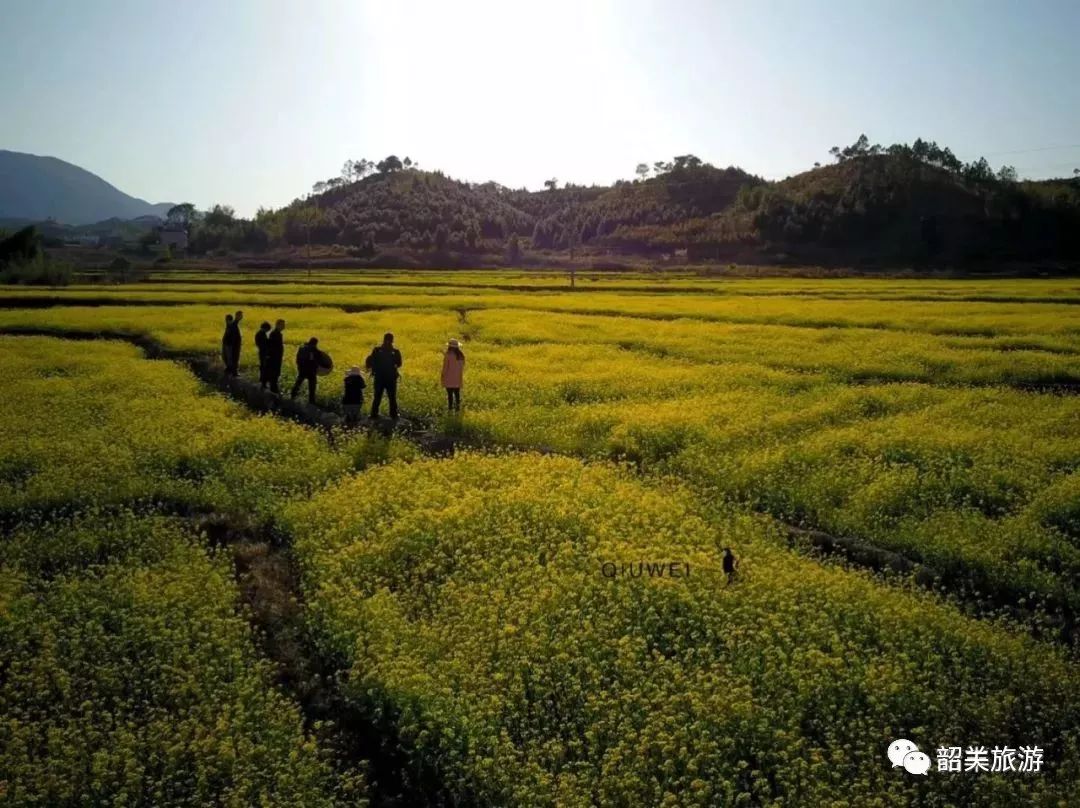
(402, 206)
(904, 202)
(901, 203)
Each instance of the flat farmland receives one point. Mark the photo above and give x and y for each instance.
(896, 464)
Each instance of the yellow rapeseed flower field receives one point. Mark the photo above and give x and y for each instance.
(472, 601)
(469, 598)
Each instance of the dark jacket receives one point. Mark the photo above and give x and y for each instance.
(232, 336)
(307, 360)
(275, 347)
(354, 390)
(384, 363)
(261, 342)
(275, 350)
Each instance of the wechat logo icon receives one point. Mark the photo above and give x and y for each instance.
(903, 752)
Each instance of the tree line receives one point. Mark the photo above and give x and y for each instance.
(683, 202)
(928, 152)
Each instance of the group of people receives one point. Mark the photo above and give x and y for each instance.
(383, 363)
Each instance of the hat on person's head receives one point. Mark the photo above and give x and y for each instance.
(353, 371)
(454, 343)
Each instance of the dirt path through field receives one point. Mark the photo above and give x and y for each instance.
(1060, 624)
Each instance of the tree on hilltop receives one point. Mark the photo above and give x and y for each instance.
(1007, 174)
(860, 148)
(361, 168)
(687, 161)
(978, 171)
(389, 165)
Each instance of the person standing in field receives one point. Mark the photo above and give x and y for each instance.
(453, 369)
(729, 564)
(275, 355)
(230, 344)
(353, 400)
(226, 350)
(262, 345)
(307, 367)
(384, 362)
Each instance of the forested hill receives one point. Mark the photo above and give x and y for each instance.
(421, 209)
(899, 202)
(886, 204)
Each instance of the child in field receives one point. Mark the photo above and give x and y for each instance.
(453, 371)
(730, 564)
(353, 400)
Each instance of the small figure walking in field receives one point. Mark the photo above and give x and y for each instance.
(308, 359)
(230, 343)
(353, 400)
(453, 371)
(730, 564)
(275, 355)
(262, 345)
(383, 362)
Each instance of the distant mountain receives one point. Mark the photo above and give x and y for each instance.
(38, 188)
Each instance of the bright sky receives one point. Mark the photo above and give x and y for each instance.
(248, 102)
